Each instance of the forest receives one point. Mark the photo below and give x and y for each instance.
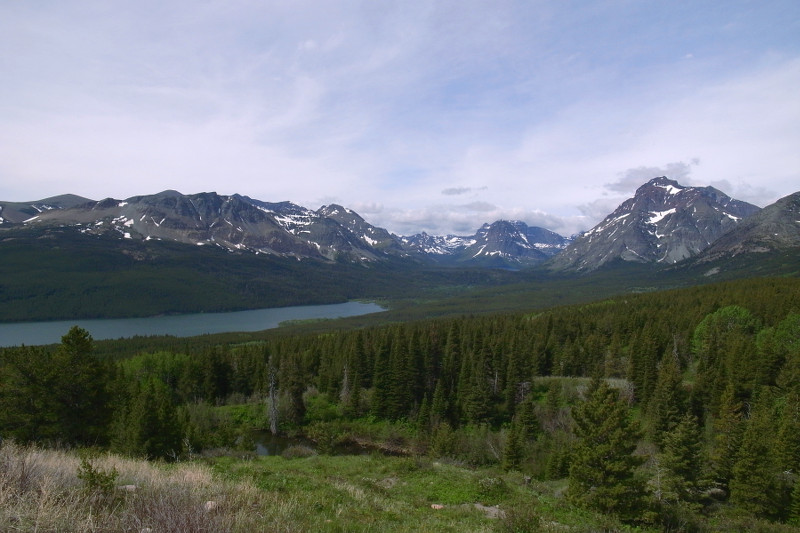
(667, 409)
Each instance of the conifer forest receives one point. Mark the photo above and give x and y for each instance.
(661, 409)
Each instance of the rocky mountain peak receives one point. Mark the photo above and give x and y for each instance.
(664, 222)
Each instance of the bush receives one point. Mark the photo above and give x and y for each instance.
(491, 489)
(98, 484)
(520, 519)
(298, 451)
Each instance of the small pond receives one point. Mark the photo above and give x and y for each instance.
(269, 444)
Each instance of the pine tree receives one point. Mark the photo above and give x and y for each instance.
(381, 383)
(440, 406)
(754, 481)
(477, 394)
(527, 420)
(794, 514)
(293, 382)
(668, 400)
(60, 396)
(513, 448)
(727, 437)
(681, 459)
(601, 476)
(149, 426)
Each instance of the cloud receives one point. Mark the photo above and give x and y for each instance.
(400, 108)
(455, 191)
(462, 219)
(481, 207)
(631, 179)
(599, 209)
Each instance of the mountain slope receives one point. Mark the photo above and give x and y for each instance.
(18, 212)
(664, 222)
(230, 222)
(774, 228)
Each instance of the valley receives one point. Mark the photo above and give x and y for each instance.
(599, 388)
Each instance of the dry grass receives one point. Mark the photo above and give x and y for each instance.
(40, 491)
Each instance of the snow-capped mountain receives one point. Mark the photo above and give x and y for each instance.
(242, 223)
(664, 222)
(369, 235)
(500, 244)
(231, 222)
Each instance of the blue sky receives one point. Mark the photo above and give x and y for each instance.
(420, 115)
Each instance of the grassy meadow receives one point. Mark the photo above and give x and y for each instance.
(50, 490)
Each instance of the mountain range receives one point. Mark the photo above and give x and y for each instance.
(663, 223)
(240, 223)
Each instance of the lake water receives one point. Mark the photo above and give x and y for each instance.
(35, 333)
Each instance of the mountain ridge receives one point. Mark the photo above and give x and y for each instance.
(663, 223)
(241, 223)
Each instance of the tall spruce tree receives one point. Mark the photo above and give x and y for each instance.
(668, 400)
(602, 473)
(60, 395)
(727, 436)
(682, 461)
(754, 482)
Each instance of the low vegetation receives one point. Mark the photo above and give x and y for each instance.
(49, 490)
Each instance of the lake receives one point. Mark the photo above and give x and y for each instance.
(35, 333)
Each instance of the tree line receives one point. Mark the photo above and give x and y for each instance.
(655, 406)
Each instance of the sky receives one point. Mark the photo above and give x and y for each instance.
(420, 115)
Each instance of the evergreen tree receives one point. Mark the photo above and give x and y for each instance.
(293, 382)
(527, 420)
(601, 476)
(794, 514)
(682, 461)
(513, 448)
(440, 406)
(477, 394)
(399, 398)
(59, 396)
(727, 435)
(668, 400)
(149, 426)
(754, 481)
(381, 383)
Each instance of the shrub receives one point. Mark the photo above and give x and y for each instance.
(298, 451)
(491, 489)
(95, 480)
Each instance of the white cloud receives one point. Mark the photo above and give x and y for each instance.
(539, 112)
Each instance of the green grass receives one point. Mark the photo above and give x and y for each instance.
(377, 493)
(42, 490)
